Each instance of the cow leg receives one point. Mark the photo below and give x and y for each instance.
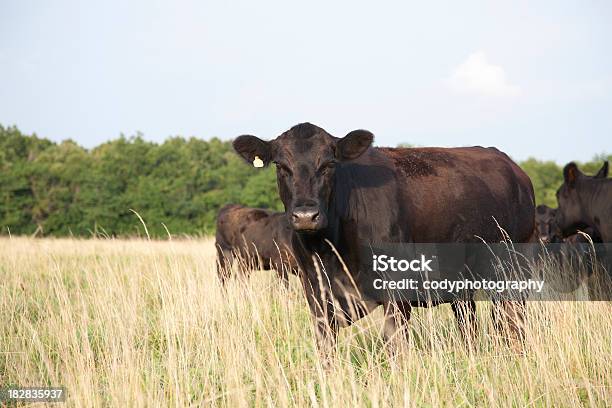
(395, 327)
(225, 260)
(283, 275)
(246, 263)
(465, 313)
(326, 332)
(509, 320)
(326, 325)
(509, 315)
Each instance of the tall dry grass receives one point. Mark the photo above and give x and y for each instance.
(138, 323)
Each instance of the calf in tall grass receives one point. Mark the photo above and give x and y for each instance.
(257, 238)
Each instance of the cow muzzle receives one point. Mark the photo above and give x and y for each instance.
(308, 219)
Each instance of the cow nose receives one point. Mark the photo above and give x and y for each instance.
(307, 219)
(305, 215)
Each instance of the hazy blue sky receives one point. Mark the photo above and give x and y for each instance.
(533, 78)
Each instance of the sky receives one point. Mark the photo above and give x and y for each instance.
(531, 78)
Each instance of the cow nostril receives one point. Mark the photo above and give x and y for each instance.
(300, 216)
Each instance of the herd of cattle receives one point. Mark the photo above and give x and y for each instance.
(341, 192)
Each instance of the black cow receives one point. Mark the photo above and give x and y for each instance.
(260, 238)
(546, 227)
(585, 201)
(342, 192)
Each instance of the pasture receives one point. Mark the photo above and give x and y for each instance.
(146, 323)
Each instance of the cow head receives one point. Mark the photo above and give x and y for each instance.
(306, 157)
(545, 223)
(570, 212)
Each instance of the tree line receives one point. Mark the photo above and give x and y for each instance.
(63, 189)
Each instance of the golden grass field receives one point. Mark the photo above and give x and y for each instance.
(145, 323)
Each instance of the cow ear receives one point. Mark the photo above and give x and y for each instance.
(253, 150)
(603, 172)
(571, 173)
(353, 144)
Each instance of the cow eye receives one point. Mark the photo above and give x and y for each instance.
(325, 167)
(283, 169)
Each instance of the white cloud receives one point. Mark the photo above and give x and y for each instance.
(476, 75)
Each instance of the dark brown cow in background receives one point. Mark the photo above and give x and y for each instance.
(585, 202)
(259, 238)
(550, 232)
(343, 193)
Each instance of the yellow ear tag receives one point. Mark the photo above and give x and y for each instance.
(257, 162)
